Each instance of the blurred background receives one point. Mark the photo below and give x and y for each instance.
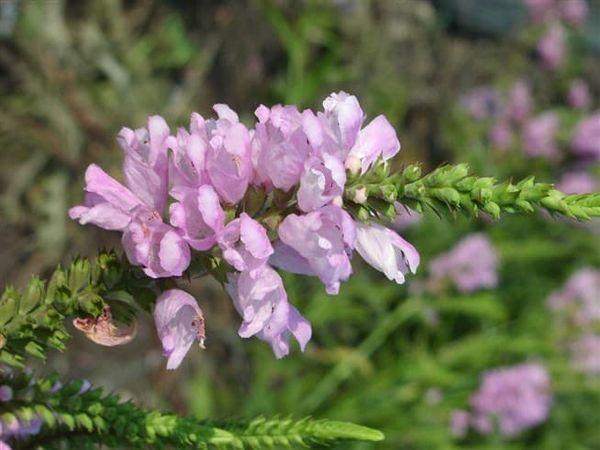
(510, 86)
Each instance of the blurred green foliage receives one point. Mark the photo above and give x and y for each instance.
(73, 72)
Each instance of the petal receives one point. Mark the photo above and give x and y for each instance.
(288, 259)
(174, 254)
(103, 215)
(378, 138)
(225, 112)
(346, 114)
(97, 181)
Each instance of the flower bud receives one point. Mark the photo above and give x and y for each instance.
(360, 196)
(353, 165)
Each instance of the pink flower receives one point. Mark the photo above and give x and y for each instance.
(261, 300)
(578, 298)
(146, 162)
(586, 138)
(179, 323)
(516, 398)
(579, 94)
(322, 181)
(482, 102)
(338, 133)
(136, 209)
(245, 243)
(501, 135)
(198, 214)
(188, 163)
(6, 393)
(519, 101)
(405, 217)
(321, 242)
(574, 12)
(280, 146)
(386, 251)
(540, 10)
(551, 48)
(459, 423)
(585, 354)
(377, 139)
(539, 135)
(577, 183)
(228, 157)
(471, 265)
(108, 204)
(4, 446)
(159, 248)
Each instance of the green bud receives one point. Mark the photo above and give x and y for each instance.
(411, 173)
(447, 194)
(492, 209)
(79, 275)
(35, 349)
(33, 295)
(9, 305)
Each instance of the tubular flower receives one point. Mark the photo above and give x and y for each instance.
(179, 323)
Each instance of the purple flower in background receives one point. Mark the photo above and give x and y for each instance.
(585, 354)
(540, 10)
(577, 183)
(179, 323)
(459, 423)
(501, 135)
(386, 251)
(245, 243)
(574, 12)
(552, 48)
(539, 135)
(482, 102)
(586, 138)
(471, 265)
(579, 94)
(261, 300)
(519, 101)
(319, 242)
(280, 146)
(322, 181)
(513, 398)
(228, 158)
(579, 297)
(198, 215)
(6, 393)
(405, 217)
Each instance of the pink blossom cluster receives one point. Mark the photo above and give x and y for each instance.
(555, 14)
(512, 115)
(509, 401)
(578, 301)
(472, 264)
(187, 192)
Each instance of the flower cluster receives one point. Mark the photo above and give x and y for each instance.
(579, 304)
(472, 264)
(509, 401)
(555, 15)
(193, 190)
